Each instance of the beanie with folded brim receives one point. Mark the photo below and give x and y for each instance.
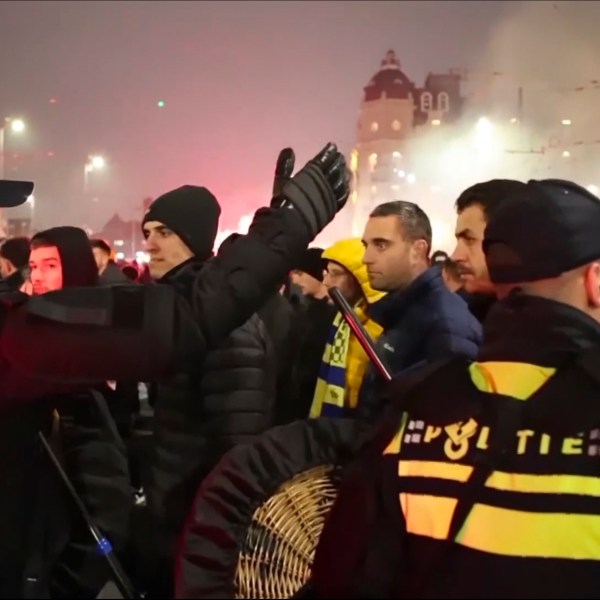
(192, 213)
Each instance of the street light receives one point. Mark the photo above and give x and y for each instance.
(97, 162)
(16, 126)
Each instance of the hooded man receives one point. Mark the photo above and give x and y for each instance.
(206, 409)
(62, 557)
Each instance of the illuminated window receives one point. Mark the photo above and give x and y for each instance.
(426, 101)
(396, 125)
(443, 102)
(374, 126)
(373, 189)
(396, 154)
(372, 161)
(395, 187)
(354, 161)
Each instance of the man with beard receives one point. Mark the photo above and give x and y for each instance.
(475, 207)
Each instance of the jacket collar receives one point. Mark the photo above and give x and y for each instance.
(390, 308)
(536, 330)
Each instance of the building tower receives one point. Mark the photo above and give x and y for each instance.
(392, 110)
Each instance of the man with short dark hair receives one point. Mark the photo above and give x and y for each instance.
(422, 320)
(14, 260)
(475, 206)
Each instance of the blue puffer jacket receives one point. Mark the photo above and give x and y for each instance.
(422, 323)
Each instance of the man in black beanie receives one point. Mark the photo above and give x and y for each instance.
(311, 325)
(180, 225)
(308, 274)
(69, 324)
(203, 411)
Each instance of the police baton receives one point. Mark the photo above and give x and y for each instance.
(362, 335)
(122, 581)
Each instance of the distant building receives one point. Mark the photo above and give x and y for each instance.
(393, 111)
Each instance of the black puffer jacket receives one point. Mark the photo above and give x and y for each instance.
(201, 414)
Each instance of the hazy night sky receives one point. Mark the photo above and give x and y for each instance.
(240, 81)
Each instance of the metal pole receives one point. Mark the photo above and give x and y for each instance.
(122, 581)
(360, 332)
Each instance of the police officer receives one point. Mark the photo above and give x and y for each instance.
(489, 487)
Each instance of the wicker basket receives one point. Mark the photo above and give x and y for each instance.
(277, 555)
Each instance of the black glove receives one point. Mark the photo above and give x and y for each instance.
(319, 190)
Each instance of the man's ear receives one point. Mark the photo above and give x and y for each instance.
(592, 284)
(420, 249)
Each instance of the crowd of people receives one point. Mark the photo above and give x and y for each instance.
(476, 475)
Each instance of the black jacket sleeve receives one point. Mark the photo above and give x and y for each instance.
(240, 280)
(85, 335)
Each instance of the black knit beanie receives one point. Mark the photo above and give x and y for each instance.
(77, 259)
(312, 263)
(192, 213)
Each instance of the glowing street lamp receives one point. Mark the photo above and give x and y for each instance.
(17, 125)
(97, 162)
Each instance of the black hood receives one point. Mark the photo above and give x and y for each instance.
(77, 259)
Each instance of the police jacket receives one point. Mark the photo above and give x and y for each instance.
(489, 487)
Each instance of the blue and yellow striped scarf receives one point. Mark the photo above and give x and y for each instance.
(329, 398)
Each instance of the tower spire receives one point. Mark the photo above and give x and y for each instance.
(390, 61)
